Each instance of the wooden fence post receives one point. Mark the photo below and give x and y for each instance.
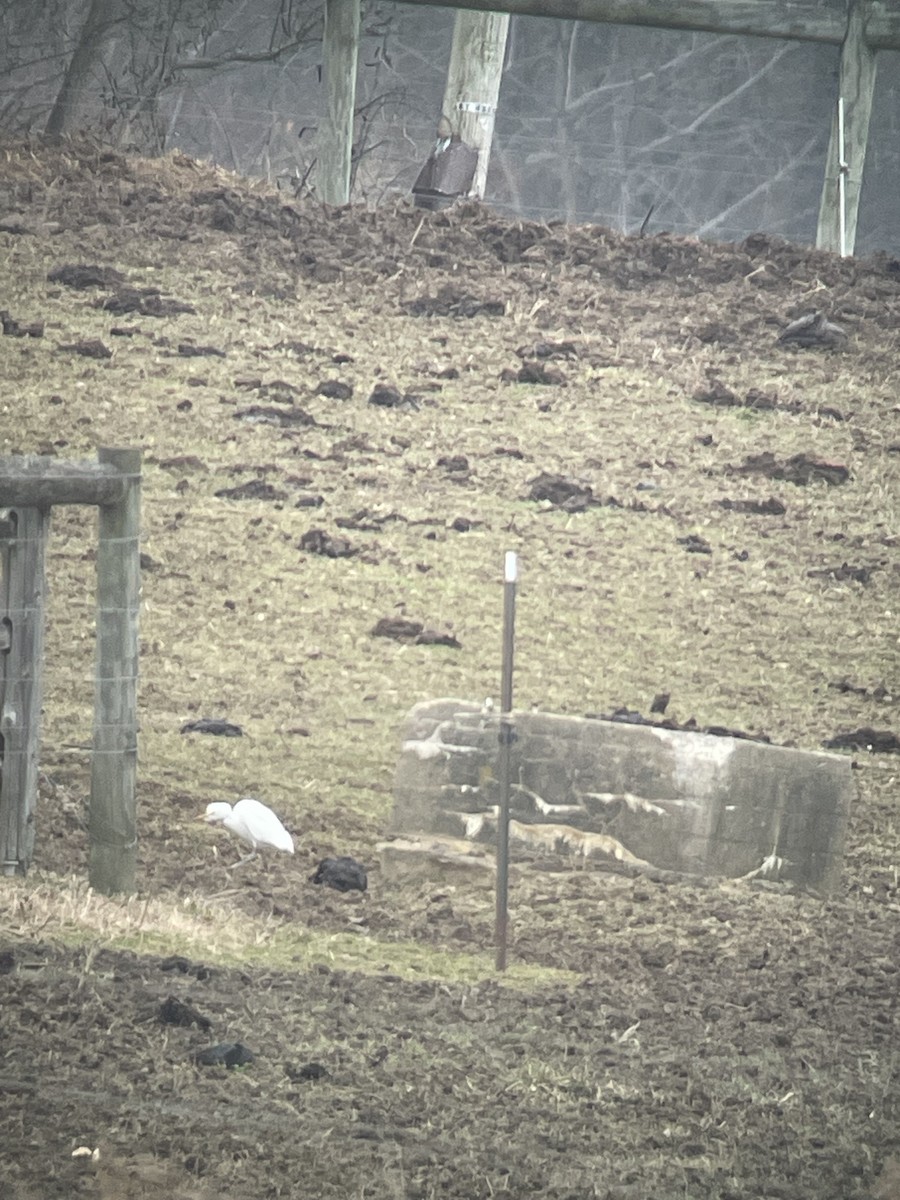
(473, 83)
(113, 816)
(340, 51)
(856, 86)
(23, 536)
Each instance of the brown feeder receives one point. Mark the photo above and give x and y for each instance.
(448, 172)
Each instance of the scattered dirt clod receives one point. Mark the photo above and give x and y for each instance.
(317, 541)
(214, 726)
(173, 1011)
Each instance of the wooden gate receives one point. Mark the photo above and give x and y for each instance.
(29, 486)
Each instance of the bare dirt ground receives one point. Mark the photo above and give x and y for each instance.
(343, 414)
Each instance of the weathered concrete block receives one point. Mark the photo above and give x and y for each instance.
(635, 793)
(446, 860)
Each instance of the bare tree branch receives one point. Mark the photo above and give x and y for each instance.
(224, 60)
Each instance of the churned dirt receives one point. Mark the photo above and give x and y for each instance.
(347, 417)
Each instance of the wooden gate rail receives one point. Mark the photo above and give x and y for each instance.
(799, 20)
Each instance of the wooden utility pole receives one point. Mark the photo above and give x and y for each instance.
(856, 88)
(473, 83)
(113, 817)
(340, 53)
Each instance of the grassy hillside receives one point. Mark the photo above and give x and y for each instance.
(735, 545)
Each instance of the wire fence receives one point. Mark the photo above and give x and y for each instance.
(722, 136)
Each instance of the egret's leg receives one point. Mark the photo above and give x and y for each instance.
(240, 862)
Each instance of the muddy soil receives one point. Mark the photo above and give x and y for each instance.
(716, 1046)
(342, 415)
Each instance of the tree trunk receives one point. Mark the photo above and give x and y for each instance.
(79, 82)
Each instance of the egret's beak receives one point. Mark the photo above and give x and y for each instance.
(200, 817)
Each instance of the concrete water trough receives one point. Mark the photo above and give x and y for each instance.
(613, 792)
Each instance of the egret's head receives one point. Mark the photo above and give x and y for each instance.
(216, 813)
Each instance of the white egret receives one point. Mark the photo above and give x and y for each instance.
(251, 821)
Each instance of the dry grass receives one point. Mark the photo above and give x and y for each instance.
(64, 911)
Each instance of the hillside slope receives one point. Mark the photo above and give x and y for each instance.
(378, 392)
